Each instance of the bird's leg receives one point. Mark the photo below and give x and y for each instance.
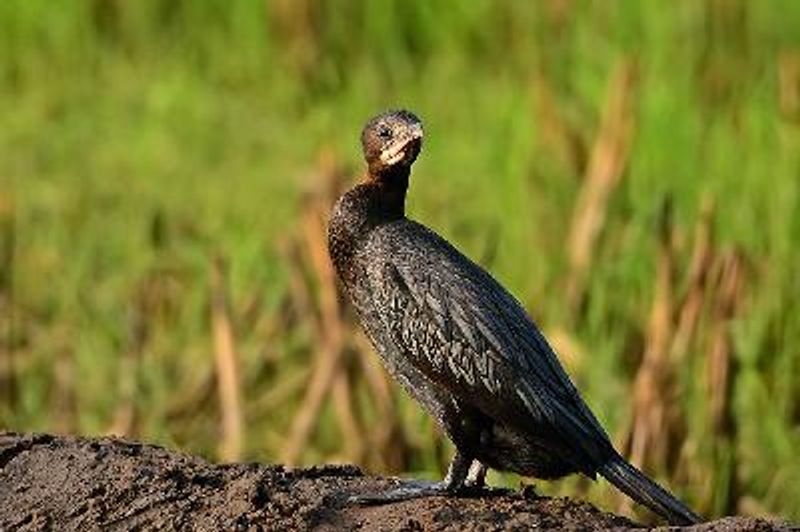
(476, 482)
(457, 472)
(413, 489)
(476, 477)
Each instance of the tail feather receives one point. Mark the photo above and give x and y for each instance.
(636, 485)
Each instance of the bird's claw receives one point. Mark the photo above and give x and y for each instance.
(415, 489)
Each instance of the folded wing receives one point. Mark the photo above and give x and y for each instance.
(467, 333)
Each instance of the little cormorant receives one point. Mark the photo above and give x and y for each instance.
(461, 344)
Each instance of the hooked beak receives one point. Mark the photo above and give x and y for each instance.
(397, 151)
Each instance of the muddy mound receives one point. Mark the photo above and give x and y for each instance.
(65, 483)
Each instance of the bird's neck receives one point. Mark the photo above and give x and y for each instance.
(386, 193)
(380, 199)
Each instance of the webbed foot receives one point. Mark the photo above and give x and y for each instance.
(409, 489)
(452, 484)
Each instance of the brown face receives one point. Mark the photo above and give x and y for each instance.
(391, 139)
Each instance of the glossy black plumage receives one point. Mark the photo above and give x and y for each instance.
(459, 343)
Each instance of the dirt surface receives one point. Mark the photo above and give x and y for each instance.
(65, 483)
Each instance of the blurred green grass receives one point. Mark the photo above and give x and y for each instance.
(138, 140)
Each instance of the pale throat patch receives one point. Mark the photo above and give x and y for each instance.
(397, 152)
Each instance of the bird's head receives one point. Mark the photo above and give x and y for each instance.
(391, 140)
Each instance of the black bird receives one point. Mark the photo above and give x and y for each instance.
(460, 344)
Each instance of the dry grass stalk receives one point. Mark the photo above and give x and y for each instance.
(317, 250)
(650, 436)
(655, 434)
(720, 375)
(321, 374)
(226, 364)
(333, 328)
(301, 298)
(607, 161)
(559, 138)
(329, 328)
(327, 361)
(348, 421)
(719, 367)
(324, 372)
(699, 268)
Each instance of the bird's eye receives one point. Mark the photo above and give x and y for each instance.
(385, 133)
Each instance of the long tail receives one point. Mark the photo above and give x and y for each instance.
(636, 485)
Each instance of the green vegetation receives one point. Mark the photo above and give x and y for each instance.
(139, 140)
